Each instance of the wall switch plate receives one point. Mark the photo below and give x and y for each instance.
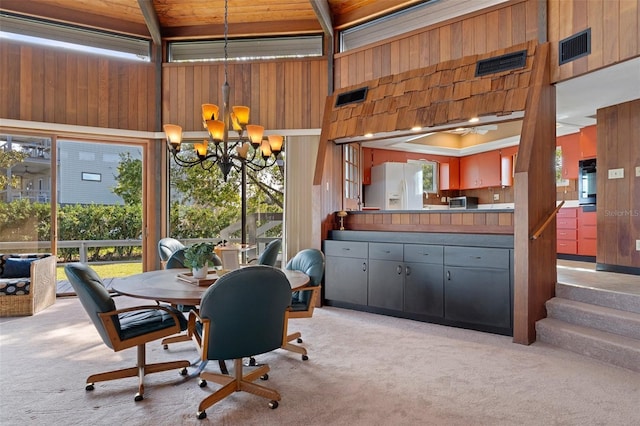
(496, 197)
(637, 245)
(637, 171)
(616, 173)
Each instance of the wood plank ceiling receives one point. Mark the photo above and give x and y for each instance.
(197, 19)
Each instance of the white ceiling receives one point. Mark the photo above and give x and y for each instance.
(577, 101)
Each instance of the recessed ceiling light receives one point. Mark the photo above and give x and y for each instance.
(368, 135)
(474, 120)
(459, 129)
(416, 129)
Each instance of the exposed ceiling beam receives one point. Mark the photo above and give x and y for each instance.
(151, 19)
(323, 12)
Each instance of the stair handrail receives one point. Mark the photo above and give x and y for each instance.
(544, 225)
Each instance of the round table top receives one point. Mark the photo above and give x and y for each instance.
(164, 285)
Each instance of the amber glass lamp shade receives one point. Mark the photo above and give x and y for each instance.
(216, 130)
(255, 132)
(174, 136)
(241, 114)
(266, 149)
(275, 142)
(201, 148)
(209, 112)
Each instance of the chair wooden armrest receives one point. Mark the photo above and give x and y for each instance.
(315, 294)
(201, 339)
(119, 344)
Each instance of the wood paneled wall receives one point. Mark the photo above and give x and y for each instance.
(615, 33)
(618, 204)
(281, 94)
(485, 31)
(57, 86)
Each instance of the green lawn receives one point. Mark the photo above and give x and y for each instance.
(108, 270)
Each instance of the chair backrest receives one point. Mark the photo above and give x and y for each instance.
(269, 256)
(93, 295)
(176, 260)
(311, 262)
(246, 308)
(168, 246)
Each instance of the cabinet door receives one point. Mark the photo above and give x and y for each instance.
(477, 296)
(570, 145)
(480, 170)
(450, 174)
(346, 279)
(423, 289)
(386, 278)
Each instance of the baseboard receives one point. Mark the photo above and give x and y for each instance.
(576, 257)
(617, 268)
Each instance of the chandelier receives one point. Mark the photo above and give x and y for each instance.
(249, 148)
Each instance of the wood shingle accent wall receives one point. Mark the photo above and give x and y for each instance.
(432, 96)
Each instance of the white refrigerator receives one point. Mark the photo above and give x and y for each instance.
(395, 186)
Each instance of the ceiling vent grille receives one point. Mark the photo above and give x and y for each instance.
(510, 61)
(358, 95)
(576, 46)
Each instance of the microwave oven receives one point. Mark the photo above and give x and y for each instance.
(463, 203)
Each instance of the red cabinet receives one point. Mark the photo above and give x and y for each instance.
(586, 233)
(480, 170)
(567, 231)
(570, 145)
(588, 142)
(450, 174)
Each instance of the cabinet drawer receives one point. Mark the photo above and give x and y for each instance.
(385, 251)
(423, 253)
(568, 212)
(476, 257)
(587, 247)
(567, 223)
(567, 246)
(588, 232)
(588, 218)
(346, 249)
(567, 234)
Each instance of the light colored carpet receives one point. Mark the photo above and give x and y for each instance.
(363, 369)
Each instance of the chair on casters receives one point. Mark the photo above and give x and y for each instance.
(243, 314)
(269, 255)
(125, 328)
(303, 300)
(166, 247)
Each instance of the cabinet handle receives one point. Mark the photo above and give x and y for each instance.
(399, 270)
(475, 257)
(346, 249)
(448, 275)
(407, 271)
(364, 266)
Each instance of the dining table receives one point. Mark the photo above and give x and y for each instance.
(169, 285)
(165, 285)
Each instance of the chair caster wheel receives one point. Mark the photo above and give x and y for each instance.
(183, 371)
(165, 347)
(304, 357)
(202, 415)
(138, 397)
(264, 377)
(89, 387)
(252, 361)
(299, 340)
(202, 383)
(273, 405)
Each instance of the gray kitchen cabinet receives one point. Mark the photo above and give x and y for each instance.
(346, 268)
(477, 286)
(423, 280)
(386, 276)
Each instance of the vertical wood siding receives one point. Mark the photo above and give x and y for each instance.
(615, 33)
(281, 94)
(57, 86)
(475, 34)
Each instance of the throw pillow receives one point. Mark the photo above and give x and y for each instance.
(17, 268)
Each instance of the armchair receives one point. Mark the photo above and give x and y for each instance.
(125, 328)
(243, 314)
(166, 247)
(303, 300)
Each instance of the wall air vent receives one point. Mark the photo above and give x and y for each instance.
(510, 61)
(351, 97)
(576, 46)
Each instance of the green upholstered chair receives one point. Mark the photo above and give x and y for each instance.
(303, 301)
(125, 328)
(242, 314)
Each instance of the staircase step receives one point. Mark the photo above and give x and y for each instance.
(615, 321)
(607, 347)
(599, 296)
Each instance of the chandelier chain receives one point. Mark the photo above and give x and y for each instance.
(226, 35)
